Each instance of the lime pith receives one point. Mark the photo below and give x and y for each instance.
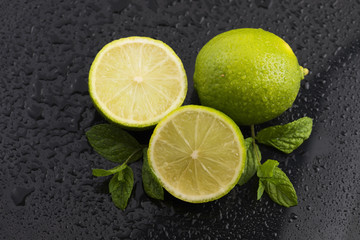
(136, 81)
(197, 153)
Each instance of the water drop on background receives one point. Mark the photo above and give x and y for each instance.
(19, 194)
(263, 3)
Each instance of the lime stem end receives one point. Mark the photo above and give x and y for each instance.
(305, 71)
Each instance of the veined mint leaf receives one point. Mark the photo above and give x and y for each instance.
(266, 170)
(102, 172)
(120, 175)
(280, 189)
(120, 187)
(151, 184)
(113, 143)
(253, 157)
(286, 137)
(260, 190)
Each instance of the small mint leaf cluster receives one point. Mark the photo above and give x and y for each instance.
(288, 137)
(272, 179)
(116, 145)
(276, 184)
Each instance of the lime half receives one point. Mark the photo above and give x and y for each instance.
(136, 81)
(197, 153)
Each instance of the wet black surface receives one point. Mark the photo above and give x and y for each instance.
(46, 187)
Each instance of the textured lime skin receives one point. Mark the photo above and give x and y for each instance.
(250, 74)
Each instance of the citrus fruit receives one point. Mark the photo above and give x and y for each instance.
(197, 153)
(249, 74)
(136, 81)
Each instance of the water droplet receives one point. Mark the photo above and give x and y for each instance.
(263, 3)
(19, 194)
(153, 5)
(118, 5)
(307, 85)
(35, 111)
(293, 216)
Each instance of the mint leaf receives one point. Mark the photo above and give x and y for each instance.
(288, 137)
(151, 184)
(120, 187)
(266, 170)
(97, 172)
(251, 162)
(113, 143)
(280, 189)
(260, 190)
(102, 172)
(120, 175)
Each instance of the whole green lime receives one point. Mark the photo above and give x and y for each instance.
(250, 74)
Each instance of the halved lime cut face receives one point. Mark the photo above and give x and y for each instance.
(197, 153)
(136, 81)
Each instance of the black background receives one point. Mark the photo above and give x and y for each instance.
(46, 187)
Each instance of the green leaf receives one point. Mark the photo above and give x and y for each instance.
(280, 189)
(286, 137)
(266, 170)
(113, 143)
(102, 172)
(260, 190)
(253, 157)
(120, 187)
(151, 184)
(121, 175)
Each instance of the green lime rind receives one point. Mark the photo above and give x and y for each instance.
(251, 75)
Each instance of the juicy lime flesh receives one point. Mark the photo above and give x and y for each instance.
(137, 81)
(197, 154)
(249, 74)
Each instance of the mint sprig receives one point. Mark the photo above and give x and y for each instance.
(266, 170)
(272, 179)
(120, 187)
(276, 184)
(260, 190)
(113, 143)
(288, 137)
(103, 172)
(151, 184)
(116, 145)
(252, 161)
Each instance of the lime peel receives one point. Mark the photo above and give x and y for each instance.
(251, 75)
